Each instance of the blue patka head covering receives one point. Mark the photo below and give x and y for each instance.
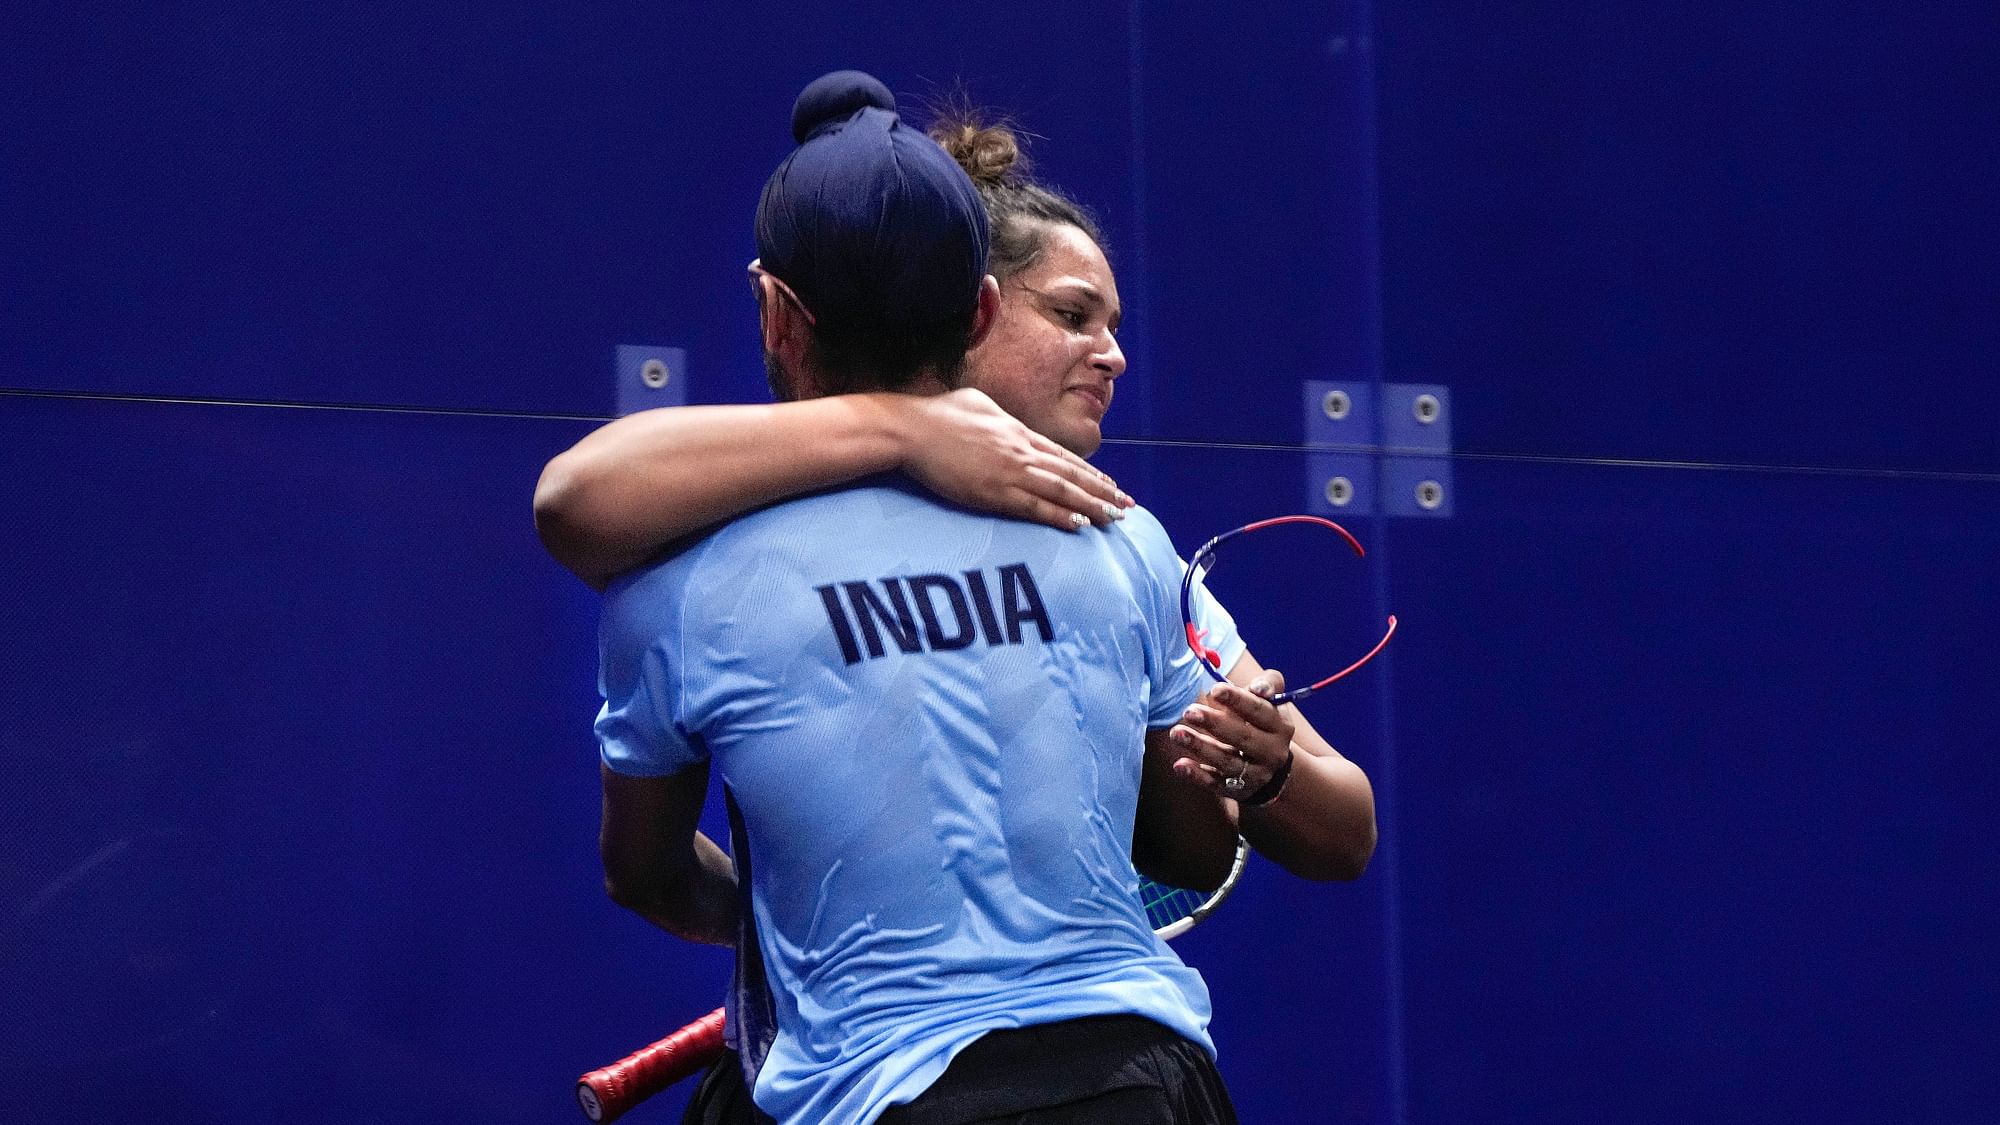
(872, 224)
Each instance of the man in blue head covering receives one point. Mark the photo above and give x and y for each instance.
(929, 724)
(876, 243)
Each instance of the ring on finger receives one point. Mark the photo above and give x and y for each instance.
(1234, 783)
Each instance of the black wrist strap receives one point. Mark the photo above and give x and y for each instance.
(1268, 792)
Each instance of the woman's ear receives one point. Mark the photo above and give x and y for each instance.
(986, 313)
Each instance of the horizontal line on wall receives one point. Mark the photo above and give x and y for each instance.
(1165, 443)
(281, 404)
(1559, 459)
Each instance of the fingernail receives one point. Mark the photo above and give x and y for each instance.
(1112, 513)
(1125, 500)
(1078, 519)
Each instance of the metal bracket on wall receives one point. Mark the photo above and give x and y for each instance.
(1344, 483)
(648, 375)
(1391, 448)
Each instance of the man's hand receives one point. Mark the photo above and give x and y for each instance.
(966, 449)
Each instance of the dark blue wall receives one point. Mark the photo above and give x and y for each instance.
(1685, 752)
(1696, 768)
(1758, 232)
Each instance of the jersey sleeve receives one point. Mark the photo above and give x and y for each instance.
(1217, 626)
(1177, 678)
(639, 728)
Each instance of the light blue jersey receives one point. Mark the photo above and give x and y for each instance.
(932, 722)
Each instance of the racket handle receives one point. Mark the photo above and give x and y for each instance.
(607, 1092)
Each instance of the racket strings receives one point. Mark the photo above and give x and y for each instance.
(1166, 905)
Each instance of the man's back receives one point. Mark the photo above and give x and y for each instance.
(932, 723)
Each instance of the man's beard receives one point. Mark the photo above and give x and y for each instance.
(783, 388)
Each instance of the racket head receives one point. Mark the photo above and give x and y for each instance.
(1203, 562)
(1173, 911)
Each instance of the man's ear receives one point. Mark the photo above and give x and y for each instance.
(986, 313)
(786, 334)
(768, 307)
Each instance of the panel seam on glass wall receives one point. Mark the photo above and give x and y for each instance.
(1578, 460)
(281, 404)
(1940, 475)
(1395, 1023)
(1139, 337)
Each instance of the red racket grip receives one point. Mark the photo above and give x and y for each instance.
(609, 1091)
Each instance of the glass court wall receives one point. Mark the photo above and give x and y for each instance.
(1682, 754)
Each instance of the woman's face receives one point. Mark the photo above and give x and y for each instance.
(1051, 358)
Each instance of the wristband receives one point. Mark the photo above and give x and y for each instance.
(1270, 790)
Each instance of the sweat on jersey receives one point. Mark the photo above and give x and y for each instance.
(932, 722)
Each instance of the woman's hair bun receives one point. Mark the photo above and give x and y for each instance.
(836, 97)
(990, 154)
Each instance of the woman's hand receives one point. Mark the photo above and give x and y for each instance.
(966, 449)
(1234, 740)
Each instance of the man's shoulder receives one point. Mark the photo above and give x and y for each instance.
(784, 521)
(881, 493)
(1140, 520)
(805, 532)
(882, 509)
(1148, 537)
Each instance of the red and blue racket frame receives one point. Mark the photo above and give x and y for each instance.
(1203, 560)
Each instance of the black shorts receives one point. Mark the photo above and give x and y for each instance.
(1102, 1070)
(722, 1098)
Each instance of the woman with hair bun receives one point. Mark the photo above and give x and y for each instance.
(1048, 255)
